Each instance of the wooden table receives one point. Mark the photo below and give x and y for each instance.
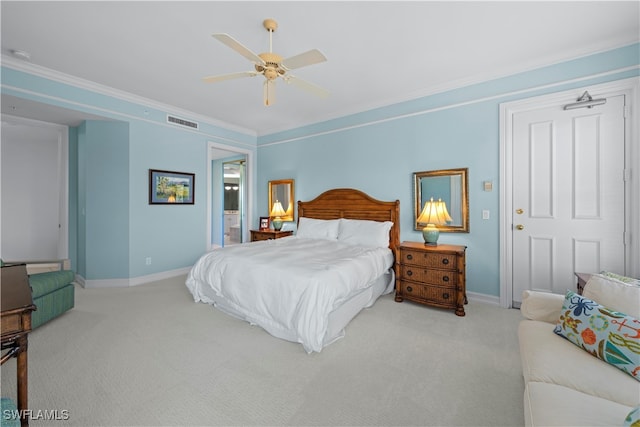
(268, 234)
(583, 278)
(15, 321)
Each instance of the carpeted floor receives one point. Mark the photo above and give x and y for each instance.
(148, 355)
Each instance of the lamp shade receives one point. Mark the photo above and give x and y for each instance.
(433, 214)
(277, 212)
(277, 209)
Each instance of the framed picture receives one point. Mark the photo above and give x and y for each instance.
(171, 188)
(264, 222)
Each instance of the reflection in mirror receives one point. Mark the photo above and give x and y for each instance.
(451, 186)
(282, 190)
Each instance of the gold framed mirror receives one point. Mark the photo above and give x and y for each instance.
(282, 190)
(449, 185)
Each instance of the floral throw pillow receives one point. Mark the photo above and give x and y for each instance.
(606, 334)
(633, 419)
(623, 279)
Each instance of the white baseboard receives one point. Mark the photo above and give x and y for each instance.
(487, 299)
(133, 281)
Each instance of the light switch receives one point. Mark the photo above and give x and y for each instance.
(485, 214)
(488, 186)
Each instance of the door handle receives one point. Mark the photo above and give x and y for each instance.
(519, 211)
(519, 227)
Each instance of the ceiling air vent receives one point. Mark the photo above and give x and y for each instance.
(182, 122)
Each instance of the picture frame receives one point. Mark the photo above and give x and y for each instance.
(265, 222)
(171, 188)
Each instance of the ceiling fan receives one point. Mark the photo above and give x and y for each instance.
(271, 65)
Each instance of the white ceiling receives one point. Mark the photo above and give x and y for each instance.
(378, 53)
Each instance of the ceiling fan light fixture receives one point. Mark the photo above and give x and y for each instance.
(270, 73)
(271, 58)
(271, 65)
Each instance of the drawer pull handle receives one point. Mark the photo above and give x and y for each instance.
(445, 261)
(445, 295)
(409, 273)
(409, 289)
(409, 257)
(445, 278)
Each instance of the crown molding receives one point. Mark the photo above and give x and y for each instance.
(455, 85)
(446, 106)
(49, 74)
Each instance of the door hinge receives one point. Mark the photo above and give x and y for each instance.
(626, 175)
(626, 237)
(627, 111)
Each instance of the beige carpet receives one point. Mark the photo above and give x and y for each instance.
(148, 355)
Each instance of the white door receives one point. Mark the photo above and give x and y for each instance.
(568, 195)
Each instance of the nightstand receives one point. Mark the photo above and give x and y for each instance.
(583, 278)
(268, 234)
(432, 275)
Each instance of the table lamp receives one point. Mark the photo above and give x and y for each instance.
(433, 214)
(277, 212)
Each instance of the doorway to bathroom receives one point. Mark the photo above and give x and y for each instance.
(229, 211)
(233, 190)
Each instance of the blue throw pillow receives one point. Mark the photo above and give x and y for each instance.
(633, 419)
(606, 334)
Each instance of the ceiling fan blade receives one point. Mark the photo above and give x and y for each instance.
(302, 60)
(309, 87)
(213, 79)
(269, 92)
(238, 47)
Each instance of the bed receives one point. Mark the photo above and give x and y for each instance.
(306, 288)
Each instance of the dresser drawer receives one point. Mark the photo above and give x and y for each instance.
(11, 324)
(429, 275)
(257, 235)
(432, 275)
(428, 259)
(442, 295)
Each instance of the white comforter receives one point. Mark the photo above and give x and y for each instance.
(288, 286)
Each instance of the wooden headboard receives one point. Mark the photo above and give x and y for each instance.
(354, 204)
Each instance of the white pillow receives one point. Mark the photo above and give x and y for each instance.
(543, 306)
(613, 294)
(318, 228)
(365, 233)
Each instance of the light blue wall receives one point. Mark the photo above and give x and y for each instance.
(173, 236)
(113, 229)
(103, 170)
(73, 196)
(378, 151)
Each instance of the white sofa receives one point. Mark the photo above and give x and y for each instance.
(564, 384)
